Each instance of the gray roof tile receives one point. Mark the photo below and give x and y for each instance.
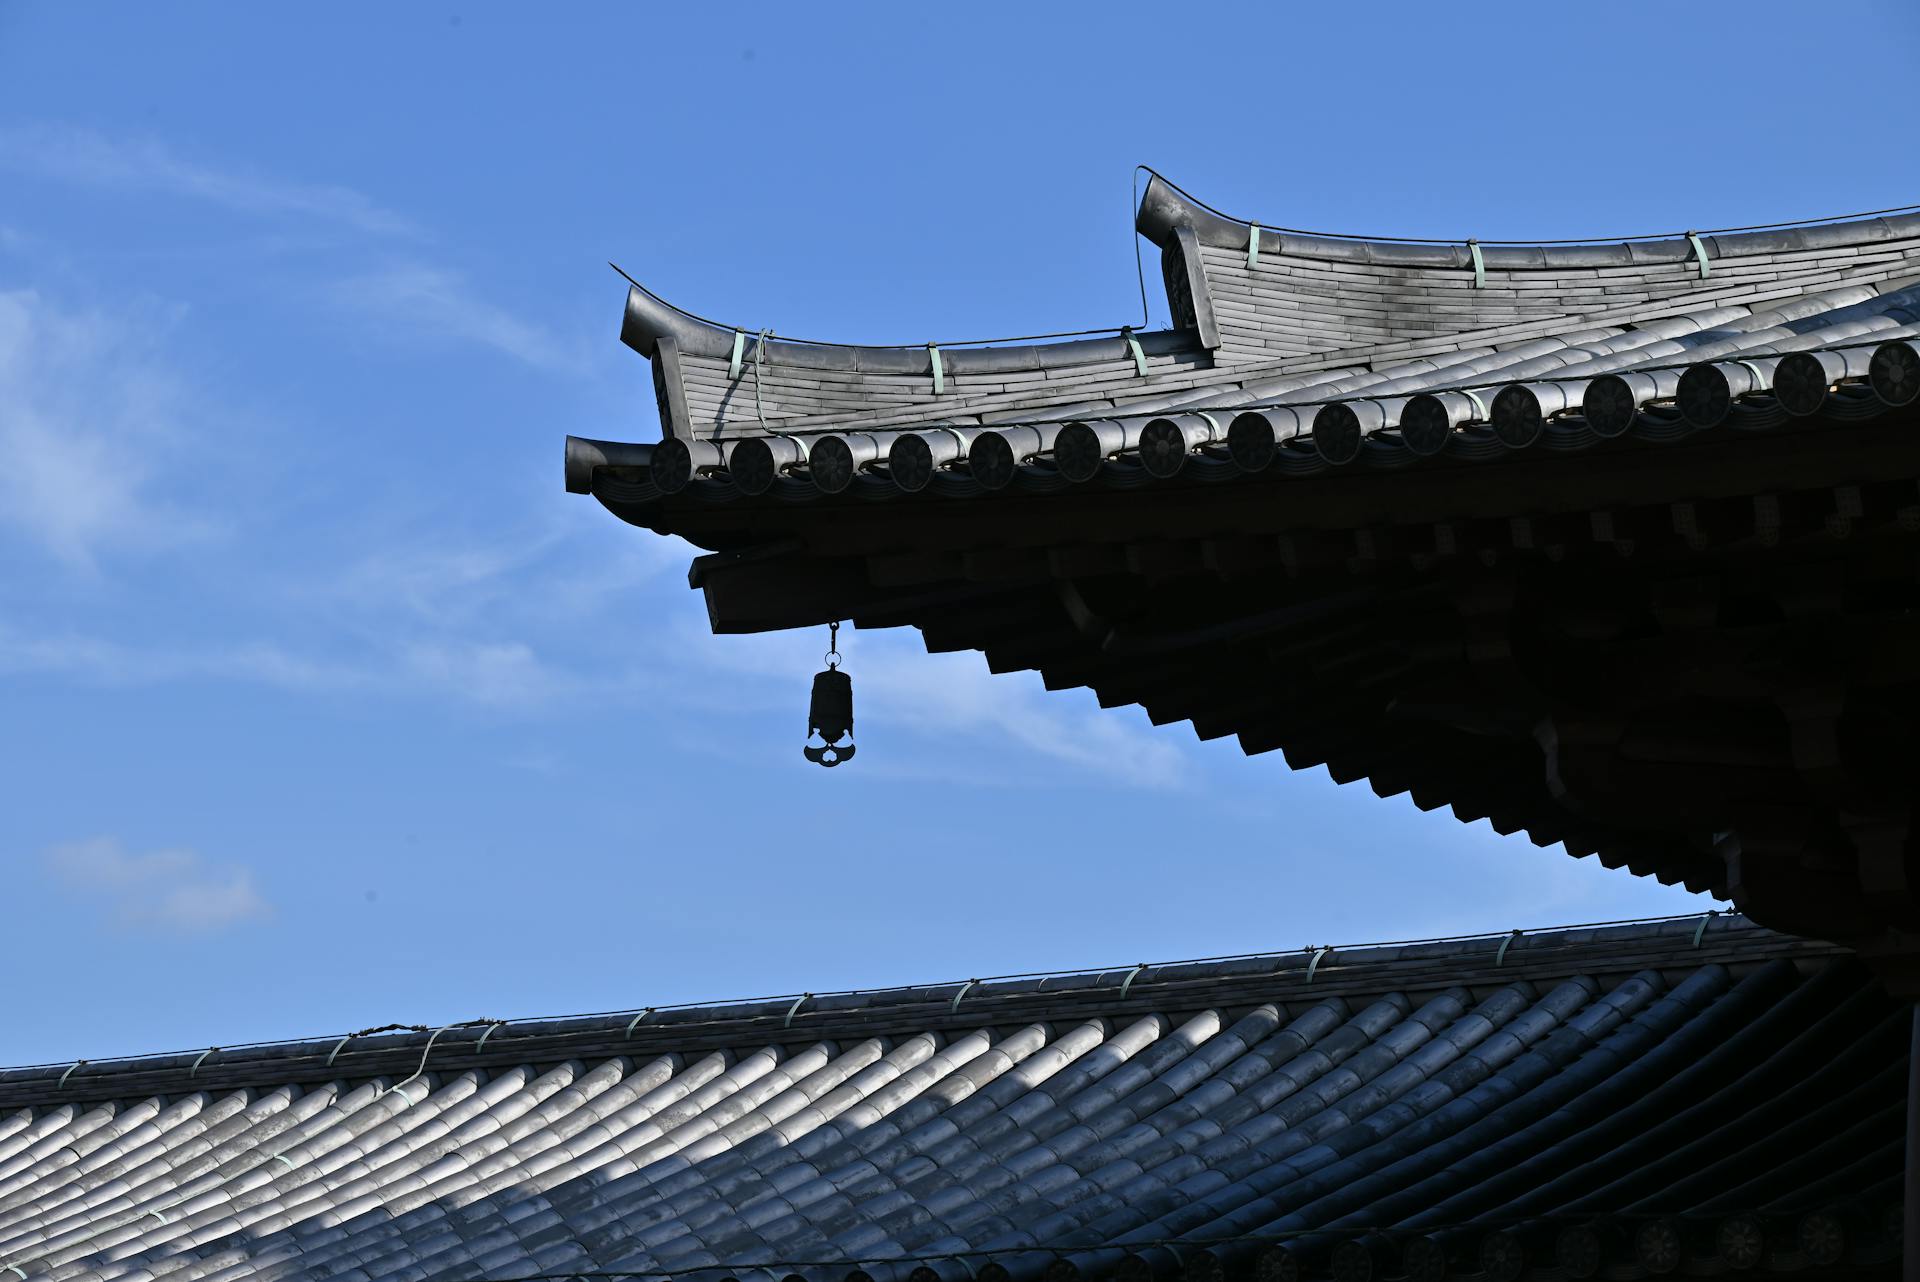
(1225, 1103)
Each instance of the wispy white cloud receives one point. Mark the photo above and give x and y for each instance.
(947, 712)
(942, 715)
(112, 663)
(546, 573)
(176, 891)
(499, 620)
(500, 674)
(951, 706)
(78, 155)
(504, 674)
(89, 422)
(955, 696)
(433, 305)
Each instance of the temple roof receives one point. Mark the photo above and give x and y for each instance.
(1692, 1092)
(1608, 543)
(1297, 351)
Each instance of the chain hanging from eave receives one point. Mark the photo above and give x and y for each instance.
(830, 716)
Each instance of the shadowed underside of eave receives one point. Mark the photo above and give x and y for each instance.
(1621, 653)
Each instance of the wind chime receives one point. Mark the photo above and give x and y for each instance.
(831, 715)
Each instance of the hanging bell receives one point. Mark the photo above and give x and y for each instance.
(830, 717)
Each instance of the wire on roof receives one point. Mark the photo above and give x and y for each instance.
(882, 347)
(1467, 388)
(1139, 269)
(1277, 955)
(1571, 240)
(1140, 273)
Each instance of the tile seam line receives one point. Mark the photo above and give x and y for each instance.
(1545, 935)
(130, 1085)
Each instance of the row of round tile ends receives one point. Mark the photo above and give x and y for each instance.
(1702, 395)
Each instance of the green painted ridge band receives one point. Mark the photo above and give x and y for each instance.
(739, 349)
(1479, 265)
(939, 375)
(1701, 929)
(1700, 251)
(1139, 357)
(1500, 958)
(759, 359)
(1319, 954)
(426, 1051)
(1253, 246)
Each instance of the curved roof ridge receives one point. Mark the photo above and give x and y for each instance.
(1165, 206)
(1389, 959)
(649, 318)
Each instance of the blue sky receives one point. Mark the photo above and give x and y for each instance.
(323, 705)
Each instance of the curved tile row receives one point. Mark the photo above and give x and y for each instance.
(1845, 353)
(1165, 208)
(1253, 299)
(401, 1049)
(1200, 1143)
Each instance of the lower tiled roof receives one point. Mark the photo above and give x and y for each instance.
(1636, 1098)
